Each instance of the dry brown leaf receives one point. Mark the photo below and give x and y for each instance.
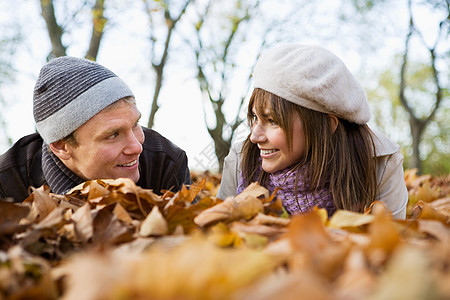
(272, 232)
(10, 216)
(122, 214)
(230, 210)
(16, 276)
(42, 203)
(179, 215)
(442, 205)
(219, 212)
(288, 286)
(436, 229)
(108, 230)
(319, 257)
(349, 220)
(84, 225)
(425, 211)
(245, 205)
(263, 219)
(154, 224)
(356, 280)
(196, 269)
(317, 250)
(406, 277)
(54, 219)
(96, 190)
(384, 236)
(254, 190)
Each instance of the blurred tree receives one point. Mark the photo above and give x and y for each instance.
(426, 80)
(56, 30)
(9, 40)
(416, 84)
(215, 62)
(389, 113)
(170, 18)
(225, 49)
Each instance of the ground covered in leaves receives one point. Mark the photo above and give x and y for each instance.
(114, 240)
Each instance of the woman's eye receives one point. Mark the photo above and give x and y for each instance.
(272, 122)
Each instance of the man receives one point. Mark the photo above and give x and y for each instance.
(87, 123)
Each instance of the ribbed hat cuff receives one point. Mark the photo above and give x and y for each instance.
(81, 109)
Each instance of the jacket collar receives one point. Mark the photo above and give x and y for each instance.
(383, 145)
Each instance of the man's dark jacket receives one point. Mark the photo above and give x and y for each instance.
(162, 165)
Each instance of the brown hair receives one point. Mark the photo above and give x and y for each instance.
(342, 161)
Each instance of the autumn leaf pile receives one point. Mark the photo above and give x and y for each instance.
(110, 239)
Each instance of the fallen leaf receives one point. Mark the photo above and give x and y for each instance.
(10, 216)
(406, 277)
(154, 224)
(84, 225)
(423, 210)
(349, 220)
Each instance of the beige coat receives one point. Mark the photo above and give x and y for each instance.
(392, 189)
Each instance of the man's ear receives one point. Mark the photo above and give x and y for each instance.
(59, 148)
(333, 122)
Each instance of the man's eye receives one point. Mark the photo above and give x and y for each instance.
(114, 135)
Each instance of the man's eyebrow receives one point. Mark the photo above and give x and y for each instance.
(110, 131)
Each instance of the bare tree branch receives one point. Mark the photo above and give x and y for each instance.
(159, 66)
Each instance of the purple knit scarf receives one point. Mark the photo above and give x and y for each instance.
(298, 203)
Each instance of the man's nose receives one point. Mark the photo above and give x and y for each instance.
(134, 144)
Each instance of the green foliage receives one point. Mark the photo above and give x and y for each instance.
(391, 118)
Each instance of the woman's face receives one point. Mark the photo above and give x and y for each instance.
(272, 142)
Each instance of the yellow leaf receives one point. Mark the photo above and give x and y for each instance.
(348, 219)
(383, 234)
(221, 235)
(423, 210)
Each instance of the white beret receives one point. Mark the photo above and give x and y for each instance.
(312, 77)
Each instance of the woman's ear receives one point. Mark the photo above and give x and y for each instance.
(59, 148)
(333, 122)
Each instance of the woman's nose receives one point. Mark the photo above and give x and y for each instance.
(258, 134)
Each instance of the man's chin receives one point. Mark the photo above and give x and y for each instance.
(135, 176)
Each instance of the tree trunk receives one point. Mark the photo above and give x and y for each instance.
(417, 127)
(55, 31)
(98, 24)
(159, 67)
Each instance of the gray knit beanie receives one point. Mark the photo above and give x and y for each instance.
(312, 77)
(69, 91)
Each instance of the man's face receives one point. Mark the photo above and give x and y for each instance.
(109, 144)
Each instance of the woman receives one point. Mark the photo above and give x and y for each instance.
(310, 139)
